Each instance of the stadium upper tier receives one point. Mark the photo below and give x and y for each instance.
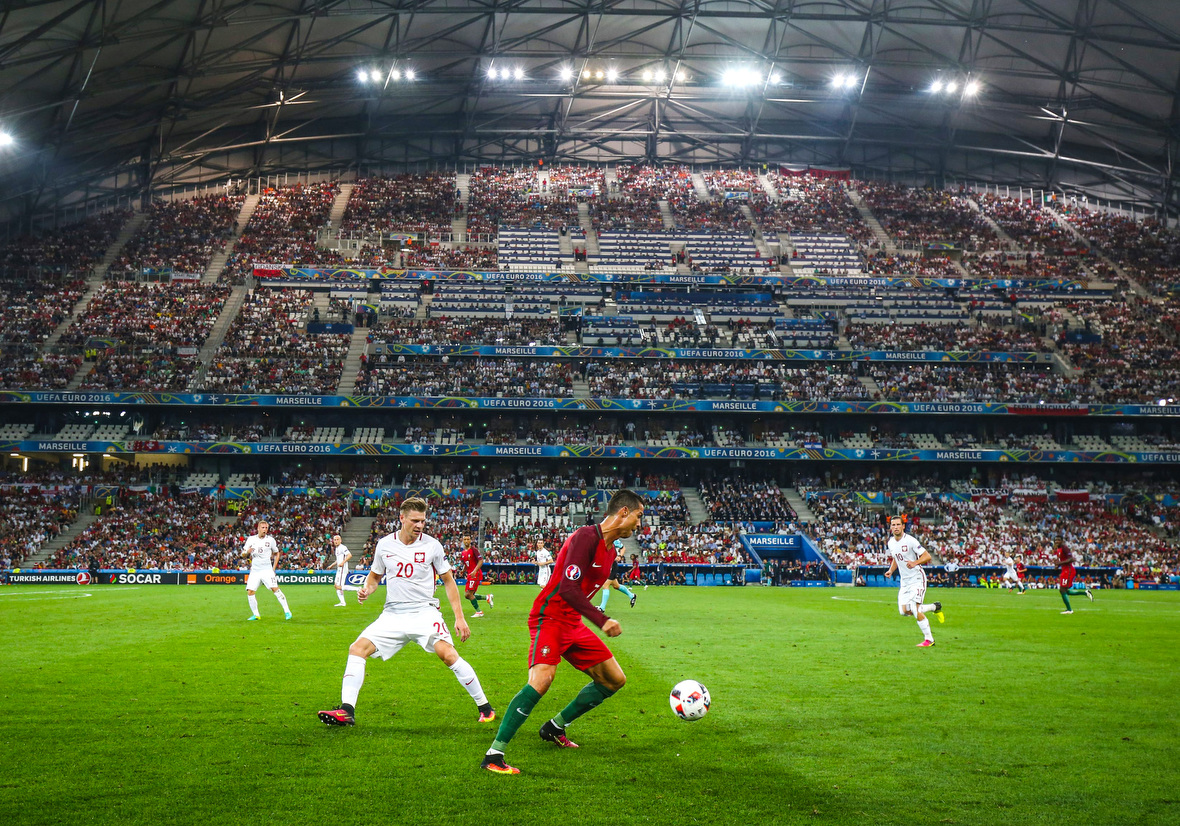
(1058, 275)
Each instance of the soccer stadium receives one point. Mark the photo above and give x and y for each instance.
(814, 364)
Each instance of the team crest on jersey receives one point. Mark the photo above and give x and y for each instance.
(573, 572)
(545, 651)
(420, 557)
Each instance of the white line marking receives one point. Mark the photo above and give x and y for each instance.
(58, 593)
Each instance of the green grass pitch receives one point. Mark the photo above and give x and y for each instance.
(161, 705)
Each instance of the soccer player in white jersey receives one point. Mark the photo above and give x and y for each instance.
(409, 560)
(342, 557)
(262, 551)
(907, 556)
(1011, 577)
(544, 564)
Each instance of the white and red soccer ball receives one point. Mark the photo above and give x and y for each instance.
(689, 700)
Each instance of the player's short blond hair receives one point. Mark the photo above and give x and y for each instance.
(414, 503)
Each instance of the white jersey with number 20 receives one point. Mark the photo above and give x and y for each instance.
(409, 571)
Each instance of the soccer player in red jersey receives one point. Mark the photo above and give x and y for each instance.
(1065, 581)
(473, 568)
(556, 629)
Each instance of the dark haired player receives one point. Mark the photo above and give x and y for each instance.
(556, 630)
(1065, 582)
(473, 569)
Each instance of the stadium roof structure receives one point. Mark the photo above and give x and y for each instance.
(109, 97)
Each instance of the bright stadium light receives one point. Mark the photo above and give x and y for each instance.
(661, 75)
(492, 73)
(936, 86)
(518, 73)
(411, 74)
(612, 74)
(951, 86)
(567, 73)
(681, 77)
(647, 75)
(971, 89)
(775, 77)
(396, 74)
(376, 76)
(586, 74)
(362, 76)
(599, 75)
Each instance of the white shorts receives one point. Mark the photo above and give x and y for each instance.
(910, 594)
(543, 574)
(341, 577)
(390, 631)
(1011, 576)
(267, 578)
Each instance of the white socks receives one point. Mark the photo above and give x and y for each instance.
(926, 607)
(466, 676)
(253, 600)
(354, 678)
(340, 596)
(924, 625)
(282, 601)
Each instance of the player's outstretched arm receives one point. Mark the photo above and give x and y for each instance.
(452, 590)
(372, 581)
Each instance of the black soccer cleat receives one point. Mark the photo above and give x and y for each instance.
(553, 734)
(633, 600)
(487, 713)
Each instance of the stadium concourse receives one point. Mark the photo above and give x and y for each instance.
(517, 342)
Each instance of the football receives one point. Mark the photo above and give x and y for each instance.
(689, 700)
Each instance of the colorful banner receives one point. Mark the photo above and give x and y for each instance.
(431, 451)
(713, 353)
(285, 273)
(647, 405)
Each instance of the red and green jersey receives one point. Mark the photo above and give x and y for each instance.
(583, 564)
(470, 559)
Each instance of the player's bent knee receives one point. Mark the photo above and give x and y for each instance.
(362, 647)
(446, 652)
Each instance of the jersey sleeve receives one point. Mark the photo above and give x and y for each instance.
(579, 556)
(916, 546)
(378, 566)
(441, 565)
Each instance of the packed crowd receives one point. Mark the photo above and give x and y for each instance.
(512, 197)
(162, 315)
(1133, 362)
(154, 530)
(741, 500)
(140, 371)
(29, 519)
(447, 330)
(1147, 249)
(282, 230)
(438, 257)
(74, 248)
(810, 205)
(448, 520)
(301, 525)
(428, 376)
(916, 217)
(32, 308)
(1028, 224)
(704, 544)
(997, 382)
(416, 203)
(661, 381)
(179, 235)
(951, 336)
(26, 368)
(265, 352)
